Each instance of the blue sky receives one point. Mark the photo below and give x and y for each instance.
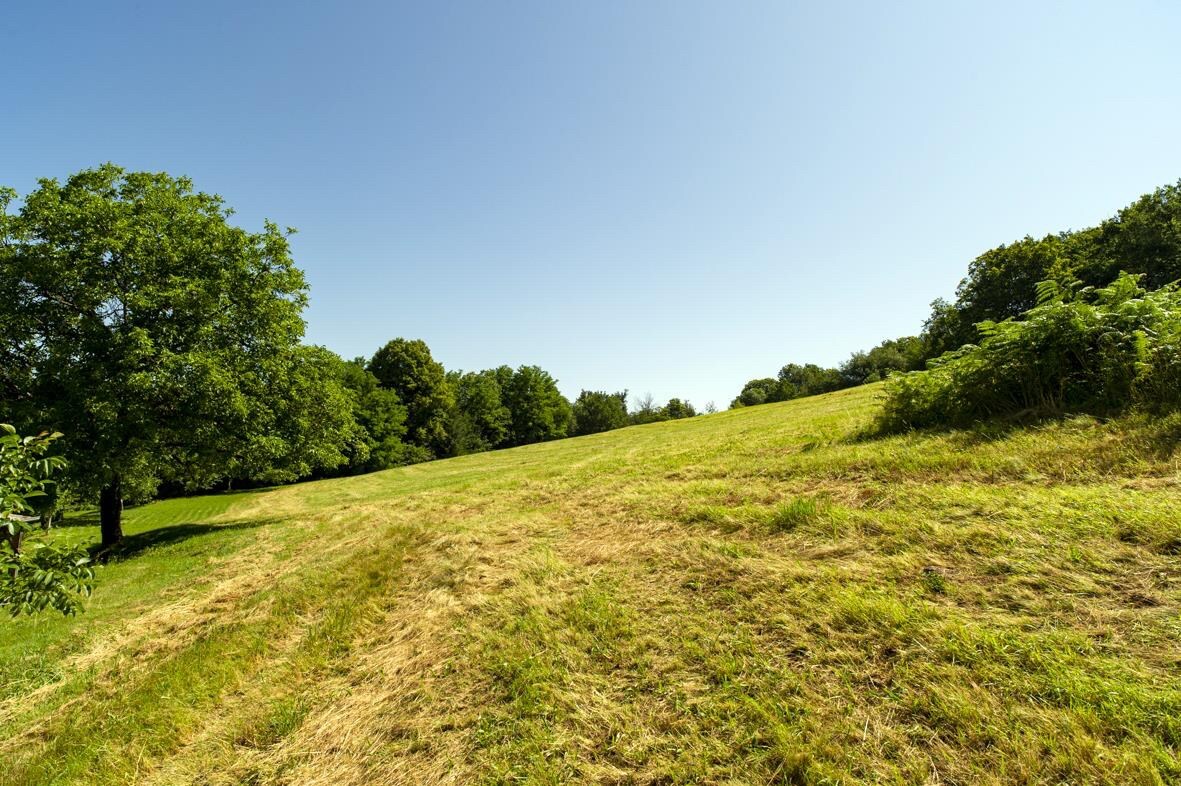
(671, 197)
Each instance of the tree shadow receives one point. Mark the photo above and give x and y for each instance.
(1153, 434)
(87, 519)
(969, 434)
(1161, 434)
(133, 545)
(90, 517)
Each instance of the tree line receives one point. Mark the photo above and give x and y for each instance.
(1143, 239)
(409, 408)
(165, 344)
(795, 380)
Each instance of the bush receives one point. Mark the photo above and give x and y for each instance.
(34, 575)
(596, 411)
(1078, 350)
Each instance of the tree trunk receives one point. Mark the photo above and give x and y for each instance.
(14, 543)
(110, 513)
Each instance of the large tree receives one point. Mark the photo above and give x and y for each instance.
(758, 391)
(676, 409)
(160, 338)
(807, 380)
(381, 416)
(406, 367)
(304, 420)
(480, 420)
(539, 410)
(596, 410)
(899, 354)
(793, 381)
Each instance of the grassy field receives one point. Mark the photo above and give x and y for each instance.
(758, 596)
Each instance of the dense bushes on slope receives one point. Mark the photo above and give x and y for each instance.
(1080, 349)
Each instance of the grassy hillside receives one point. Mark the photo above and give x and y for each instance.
(758, 596)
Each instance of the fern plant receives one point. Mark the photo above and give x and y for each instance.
(1081, 349)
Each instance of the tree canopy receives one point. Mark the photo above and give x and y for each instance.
(595, 411)
(481, 420)
(160, 338)
(676, 409)
(539, 410)
(406, 367)
(380, 415)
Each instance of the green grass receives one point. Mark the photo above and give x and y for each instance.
(759, 596)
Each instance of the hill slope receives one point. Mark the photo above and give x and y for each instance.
(754, 596)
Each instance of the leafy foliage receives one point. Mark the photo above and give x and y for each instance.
(481, 421)
(676, 409)
(793, 381)
(381, 417)
(1081, 349)
(596, 411)
(311, 421)
(34, 574)
(406, 367)
(758, 391)
(539, 410)
(900, 354)
(807, 380)
(453, 413)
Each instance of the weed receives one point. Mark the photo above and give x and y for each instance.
(796, 513)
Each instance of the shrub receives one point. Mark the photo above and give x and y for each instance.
(1078, 350)
(34, 574)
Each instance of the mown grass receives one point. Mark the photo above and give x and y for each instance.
(176, 540)
(758, 596)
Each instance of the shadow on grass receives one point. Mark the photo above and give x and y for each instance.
(978, 432)
(1154, 434)
(89, 517)
(133, 545)
(964, 436)
(1160, 433)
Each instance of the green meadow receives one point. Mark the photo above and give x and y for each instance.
(771, 594)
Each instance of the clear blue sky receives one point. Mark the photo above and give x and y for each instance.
(670, 197)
